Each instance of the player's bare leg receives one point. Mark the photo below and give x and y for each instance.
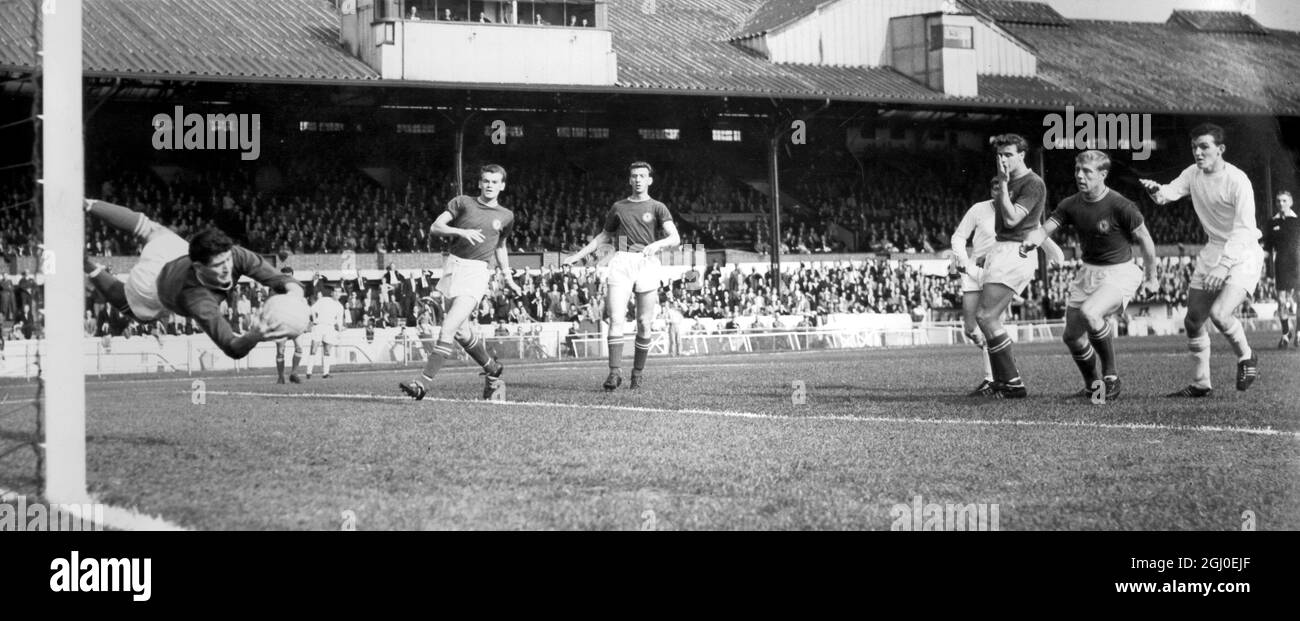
(279, 361)
(1222, 314)
(993, 302)
(293, 368)
(645, 314)
(311, 357)
(616, 306)
(1288, 302)
(1095, 311)
(970, 302)
(459, 312)
(326, 356)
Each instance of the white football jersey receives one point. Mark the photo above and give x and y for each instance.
(326, 314)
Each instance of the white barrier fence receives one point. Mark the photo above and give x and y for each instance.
(196, 354)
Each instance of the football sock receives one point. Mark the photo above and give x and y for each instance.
(616, 351)
(1085, 357)
(1236, 336)
(977, 338)
(1200, 348)
(1004, 365)
(279, 364)
(477, 350)
(1103, 344)
(441, 351)
(641, 351)
(113, 290)
(325, 363)
(1285, 326)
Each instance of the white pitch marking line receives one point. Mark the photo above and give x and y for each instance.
(755, 415)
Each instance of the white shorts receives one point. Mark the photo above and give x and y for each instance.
(327, 336)
(1005, 266)
(972, 280)
(1124, 278)
(1244, 274)
(142, 283)
(634, 268)
(464, 278)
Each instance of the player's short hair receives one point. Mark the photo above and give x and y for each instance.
(639, 164)
(1286, 193)
(1016, 140)
(327, 291)
(209, 243)
(1093, 156)
(1211, 130)
(492, 168)
(286, 270)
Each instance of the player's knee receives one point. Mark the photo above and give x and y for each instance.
(985, 318)
(642, 326)
(1095, 320)
(1222, 317)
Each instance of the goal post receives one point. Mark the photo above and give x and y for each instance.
(63, 187)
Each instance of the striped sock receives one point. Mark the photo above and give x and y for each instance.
(441, 351)
(1103, 344)
(641, 351)
(616, 351)
(477, 349)
(1004, 365)
(1085, 357)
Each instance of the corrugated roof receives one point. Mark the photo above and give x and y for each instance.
(1166, 67)
(282, 39)
(1218, 21)
(1016, 12)
(683, 47)
(774, 13)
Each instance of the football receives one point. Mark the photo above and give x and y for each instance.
(287, 310)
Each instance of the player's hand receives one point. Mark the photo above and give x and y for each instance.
(1215, 279)
(1026, 248)
(1002, 173)
(649, 251)
(570, 260)
(1151, 186)
(1151, 285)
(473, 236)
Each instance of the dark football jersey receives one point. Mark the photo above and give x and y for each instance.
(638, 220)
(494, 222)
(1029, 192)
(1105, 227)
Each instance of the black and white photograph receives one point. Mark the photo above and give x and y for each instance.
(650, 265)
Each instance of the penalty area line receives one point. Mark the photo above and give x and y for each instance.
(759, 416)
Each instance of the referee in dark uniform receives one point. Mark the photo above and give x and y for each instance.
(1282, 241)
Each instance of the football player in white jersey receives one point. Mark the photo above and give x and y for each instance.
(1228, 267)
(326, 324)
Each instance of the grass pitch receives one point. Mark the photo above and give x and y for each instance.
(708, 443)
